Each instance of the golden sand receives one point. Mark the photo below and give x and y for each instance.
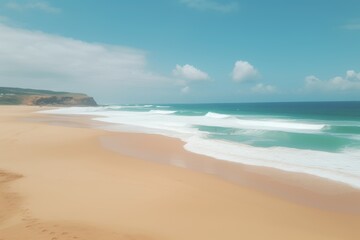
(63, 182)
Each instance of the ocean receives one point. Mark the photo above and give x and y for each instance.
(317, 138)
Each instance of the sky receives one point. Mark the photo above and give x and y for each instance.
(184, 51)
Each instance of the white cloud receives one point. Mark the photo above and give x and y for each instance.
(39, 60)
(244, 71)
(351, 81)
(211, 5)
(352, 75)
(33, 5)
(189, 72)
(263, 88)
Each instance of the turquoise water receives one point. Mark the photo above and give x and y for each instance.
(318, 138)
(341, 122)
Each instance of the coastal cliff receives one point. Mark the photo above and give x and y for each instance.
(33, 97)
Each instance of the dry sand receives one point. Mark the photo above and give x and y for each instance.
(66, 182)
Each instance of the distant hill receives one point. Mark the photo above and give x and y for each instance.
(21, 96)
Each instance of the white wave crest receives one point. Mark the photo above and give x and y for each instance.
(273, 124)
(217, 115)
(162, 112)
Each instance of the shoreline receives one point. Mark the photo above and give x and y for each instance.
(297, 187)
(73, 183)
(323, 164)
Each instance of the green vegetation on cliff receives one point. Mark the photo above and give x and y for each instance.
(20, 96)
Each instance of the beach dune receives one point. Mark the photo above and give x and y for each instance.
(60, 182)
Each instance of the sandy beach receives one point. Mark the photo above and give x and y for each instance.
(61, 179)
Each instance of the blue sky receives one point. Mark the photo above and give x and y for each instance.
(164, 51)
